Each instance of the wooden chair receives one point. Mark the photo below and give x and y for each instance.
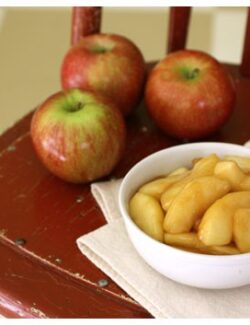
(42, 272)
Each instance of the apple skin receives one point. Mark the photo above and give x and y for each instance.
(108, 64)
(189, 95)
(78, 135)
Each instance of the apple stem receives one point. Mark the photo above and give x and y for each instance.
(79, 106)
(75, 108)
(98, 49)
(192, 74)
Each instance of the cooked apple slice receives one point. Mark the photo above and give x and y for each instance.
(187, 240)
(203, 167)
(230, 171)
(171, 193)
(241, 230)
(220, 250)
(190, 242)
(191, 203)
(156, 187)
(147, 213)
(179, 171)
(242, 162)
(216, 227)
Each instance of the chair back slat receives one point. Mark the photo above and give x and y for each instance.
(178, 28)
(245, 62)
(85, 21)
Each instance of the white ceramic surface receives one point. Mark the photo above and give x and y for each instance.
(198, 270)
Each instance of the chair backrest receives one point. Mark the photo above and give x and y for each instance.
(87, 20)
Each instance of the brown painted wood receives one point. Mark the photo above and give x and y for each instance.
(48, 276)
(50, 294)
(178, 28)
(85, 21)
(14, 132)
(245, 63)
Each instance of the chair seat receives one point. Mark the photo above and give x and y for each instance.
(47, 276)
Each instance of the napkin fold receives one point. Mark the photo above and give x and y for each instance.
(110, 249)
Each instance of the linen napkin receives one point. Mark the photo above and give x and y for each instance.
(110, 249)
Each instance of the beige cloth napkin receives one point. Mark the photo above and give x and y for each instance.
(110, 249)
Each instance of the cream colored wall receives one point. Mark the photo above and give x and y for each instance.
(34, 40)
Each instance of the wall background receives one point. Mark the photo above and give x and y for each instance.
(33, 42)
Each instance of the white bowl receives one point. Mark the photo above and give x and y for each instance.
(198, 270)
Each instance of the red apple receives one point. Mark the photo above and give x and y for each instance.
(78, 135)
(189, 94)
(108, 64)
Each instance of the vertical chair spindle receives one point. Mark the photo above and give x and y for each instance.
(178, 28)
(85, 21)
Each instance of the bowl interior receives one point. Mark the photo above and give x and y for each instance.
(165, 161)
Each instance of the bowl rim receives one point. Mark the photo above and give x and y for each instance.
(243, 257)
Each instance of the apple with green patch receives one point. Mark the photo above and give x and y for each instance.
(189, 95)
(78, 135)
(108, 64)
